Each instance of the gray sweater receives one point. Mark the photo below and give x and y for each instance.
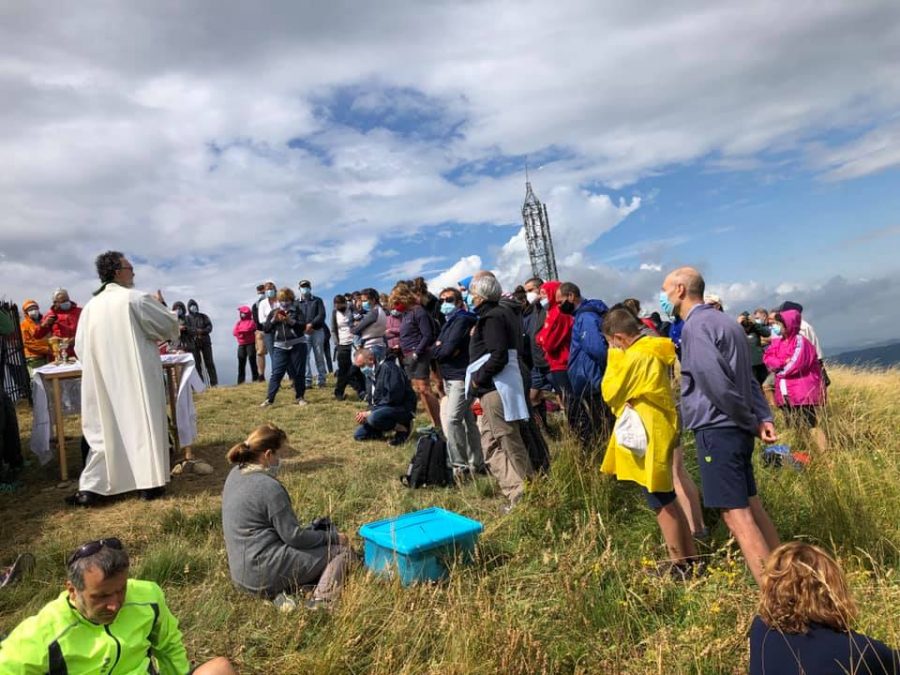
(717, 385)
(268, 550)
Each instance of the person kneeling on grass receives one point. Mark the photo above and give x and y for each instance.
(638, 376)
(103, 622)
(805, 614)
(268, 551)
(392, 401)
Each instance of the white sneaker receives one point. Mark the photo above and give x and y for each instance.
(265, 404)
(302, 402)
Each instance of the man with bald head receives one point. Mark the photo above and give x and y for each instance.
(724, 406)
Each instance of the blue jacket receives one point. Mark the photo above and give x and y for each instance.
(717, 384)
(452, 353)
(587, 353)
(391, 387)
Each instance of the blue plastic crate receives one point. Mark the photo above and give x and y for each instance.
(416, 546)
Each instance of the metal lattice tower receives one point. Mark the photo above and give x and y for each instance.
(537, 235)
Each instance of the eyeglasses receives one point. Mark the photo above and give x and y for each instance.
(92, 547)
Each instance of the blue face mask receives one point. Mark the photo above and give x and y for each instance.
(470, 301)
(305, 291)
(270, 293)
(366, 306)
(775, 329)
(395, 313)
(545, 303)
(368, 371)
(65, 306)
(665, 304)
(448, 308)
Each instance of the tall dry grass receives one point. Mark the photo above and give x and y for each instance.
(558, 586)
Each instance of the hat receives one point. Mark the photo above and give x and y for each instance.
(27, 304)
(787, 304)
(712, 299)
(305, 282)
(465, 281)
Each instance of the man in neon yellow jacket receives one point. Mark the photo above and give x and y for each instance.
(638, 375)
(102, 623)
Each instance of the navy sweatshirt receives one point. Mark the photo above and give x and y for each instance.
(452, 354)
(416, 331)
(820, 651)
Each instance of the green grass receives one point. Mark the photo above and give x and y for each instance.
(558, 586)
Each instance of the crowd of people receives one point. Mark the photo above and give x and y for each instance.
(486, 368)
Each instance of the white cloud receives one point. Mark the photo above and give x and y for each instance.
(167, 137)
(461, 269)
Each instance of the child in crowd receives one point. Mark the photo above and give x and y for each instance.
(638, 376)
(805, 614)
(245, 333)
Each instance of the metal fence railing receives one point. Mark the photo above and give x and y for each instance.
(13, 370)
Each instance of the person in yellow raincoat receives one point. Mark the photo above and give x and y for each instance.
(638, 375)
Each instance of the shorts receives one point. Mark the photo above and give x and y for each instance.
(801, 416)
(540, 379)
(418, 369)
(769, 383)
(658, 500)
(726, 471)
(260, 344)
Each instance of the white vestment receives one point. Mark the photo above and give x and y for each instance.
(123, 395)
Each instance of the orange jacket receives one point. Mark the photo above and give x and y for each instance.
(35, 339)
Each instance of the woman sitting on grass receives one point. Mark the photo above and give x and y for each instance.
(268, 551)
(805, 614)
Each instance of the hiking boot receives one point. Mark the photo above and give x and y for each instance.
(84, 498)
(400, 437)
(152, 493)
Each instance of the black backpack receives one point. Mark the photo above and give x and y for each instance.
(428, 465)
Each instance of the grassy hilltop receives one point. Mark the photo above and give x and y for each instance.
(558, 587)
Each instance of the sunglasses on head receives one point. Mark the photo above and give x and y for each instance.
(92, 547)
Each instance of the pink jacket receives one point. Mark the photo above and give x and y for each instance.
(793, 359)
(392, 332)
(245, 328)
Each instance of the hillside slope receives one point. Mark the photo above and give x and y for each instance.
(559, 586)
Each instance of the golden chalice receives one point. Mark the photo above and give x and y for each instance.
(54, 349)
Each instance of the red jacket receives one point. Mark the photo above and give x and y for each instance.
(556, 335)
(245, 328)
(66, 324)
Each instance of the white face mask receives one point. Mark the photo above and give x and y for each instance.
(34, 314)
(273, 469)
(532, 297)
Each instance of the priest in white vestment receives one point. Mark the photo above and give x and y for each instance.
(123, 395)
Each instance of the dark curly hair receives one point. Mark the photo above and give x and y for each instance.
(108, 264)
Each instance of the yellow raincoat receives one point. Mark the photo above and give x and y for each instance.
(640, 376)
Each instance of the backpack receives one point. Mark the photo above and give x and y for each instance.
(428, 465)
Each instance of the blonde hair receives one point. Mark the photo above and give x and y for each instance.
(262, 438)
(286, 295)
(802, 584)
(403, 295)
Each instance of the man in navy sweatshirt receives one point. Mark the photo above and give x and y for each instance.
(392, 402)
(451, 351)
(724, 406)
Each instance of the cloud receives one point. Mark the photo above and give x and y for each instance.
(221, 144)
(461, 269)
(410, 268)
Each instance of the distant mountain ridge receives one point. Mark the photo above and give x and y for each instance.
(882, 356)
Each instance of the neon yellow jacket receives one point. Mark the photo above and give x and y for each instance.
(59, 640)
(640, 376)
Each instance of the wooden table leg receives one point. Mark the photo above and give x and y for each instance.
(60, 429)
(172, 391)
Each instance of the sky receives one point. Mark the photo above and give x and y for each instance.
(222, 143)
